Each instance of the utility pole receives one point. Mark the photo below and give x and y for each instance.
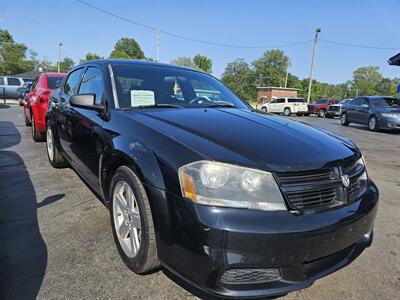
(287, 72)
(59, 57)
(317, 31)
(158, 44)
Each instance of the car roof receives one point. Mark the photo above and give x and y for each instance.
(114, 61)
(376, 97)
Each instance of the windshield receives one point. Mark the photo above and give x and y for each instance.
(321, 101)
(385, 102)
(54, 82)
(162, 86)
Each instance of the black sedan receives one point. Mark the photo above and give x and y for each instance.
(235, 202)
(377, 112)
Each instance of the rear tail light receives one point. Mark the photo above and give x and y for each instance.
(43, 97)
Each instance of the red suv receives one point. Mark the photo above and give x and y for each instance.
(36, 102)
(320, 107)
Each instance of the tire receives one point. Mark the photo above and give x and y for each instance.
(36, 135)
(343, 120)
(264, 109)
(373, 124)
(306, 114)
(287, 112)
(299, 114)
(27, 122)
(55, 158)
(137, 244)
(20, 102)
(321, 113)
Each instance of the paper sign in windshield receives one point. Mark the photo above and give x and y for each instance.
(142, 97)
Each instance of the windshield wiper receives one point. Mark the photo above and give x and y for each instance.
(220, 104)
(158, 105)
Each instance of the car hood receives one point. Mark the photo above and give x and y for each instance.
(246, 137)
(386, 109)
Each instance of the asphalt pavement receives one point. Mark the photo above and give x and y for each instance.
(56, 240)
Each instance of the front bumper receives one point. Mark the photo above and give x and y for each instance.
(200, 243)
(389, 123)
(333, 113)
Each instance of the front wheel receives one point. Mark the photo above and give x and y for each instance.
(343, 119)
(321, 113)
(55, 158)
(132, 222)
(373, 124)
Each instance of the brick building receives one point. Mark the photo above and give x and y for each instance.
(268, 93)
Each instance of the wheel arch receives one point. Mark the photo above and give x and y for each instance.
(149, 173)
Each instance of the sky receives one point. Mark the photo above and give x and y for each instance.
(43, 24)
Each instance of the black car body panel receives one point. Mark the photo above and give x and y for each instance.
(198, 242)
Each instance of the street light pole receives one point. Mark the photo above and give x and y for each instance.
(287, 72)
(158, 44)
(317, 31)
(59, 57)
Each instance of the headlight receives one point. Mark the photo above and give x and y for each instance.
(220, 184)
(361, 161)
(390, 115)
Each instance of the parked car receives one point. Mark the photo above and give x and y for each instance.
(9, 86)
(377, 112)
(233, 201)
(22, 92)
(287, 106)
(36, 102)
(334, 110)
(320, 107)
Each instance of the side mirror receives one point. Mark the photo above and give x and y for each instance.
(85, 101)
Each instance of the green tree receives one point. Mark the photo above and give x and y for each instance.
(119, 54)
(12, 55)
(128, 46)
(203, 63)
(90, 56)
(240, 78)
(366, 81)
(184, 61)
(270, 68)
(66, 64)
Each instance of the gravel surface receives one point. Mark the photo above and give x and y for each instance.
(56, 240)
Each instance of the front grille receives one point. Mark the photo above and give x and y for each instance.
(323, 188)
(334, 108)
(250, 276)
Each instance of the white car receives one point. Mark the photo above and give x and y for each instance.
(287, 106)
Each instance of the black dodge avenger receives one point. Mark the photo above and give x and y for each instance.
(234, 202)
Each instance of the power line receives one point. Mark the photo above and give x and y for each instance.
(178, 36)
(358, 46)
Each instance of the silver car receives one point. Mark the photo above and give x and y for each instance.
(9, 87)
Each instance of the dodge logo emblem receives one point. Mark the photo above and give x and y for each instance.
(345, 180)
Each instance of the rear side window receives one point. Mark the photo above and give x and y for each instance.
(54, 82)
(71, 85)
(296, 100)
(13, 81)
(93, 83)
(1, 81)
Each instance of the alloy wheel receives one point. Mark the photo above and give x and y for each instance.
(343, 119)
(33, 125)
(50, 145)
(372, 123)
(126, 215)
